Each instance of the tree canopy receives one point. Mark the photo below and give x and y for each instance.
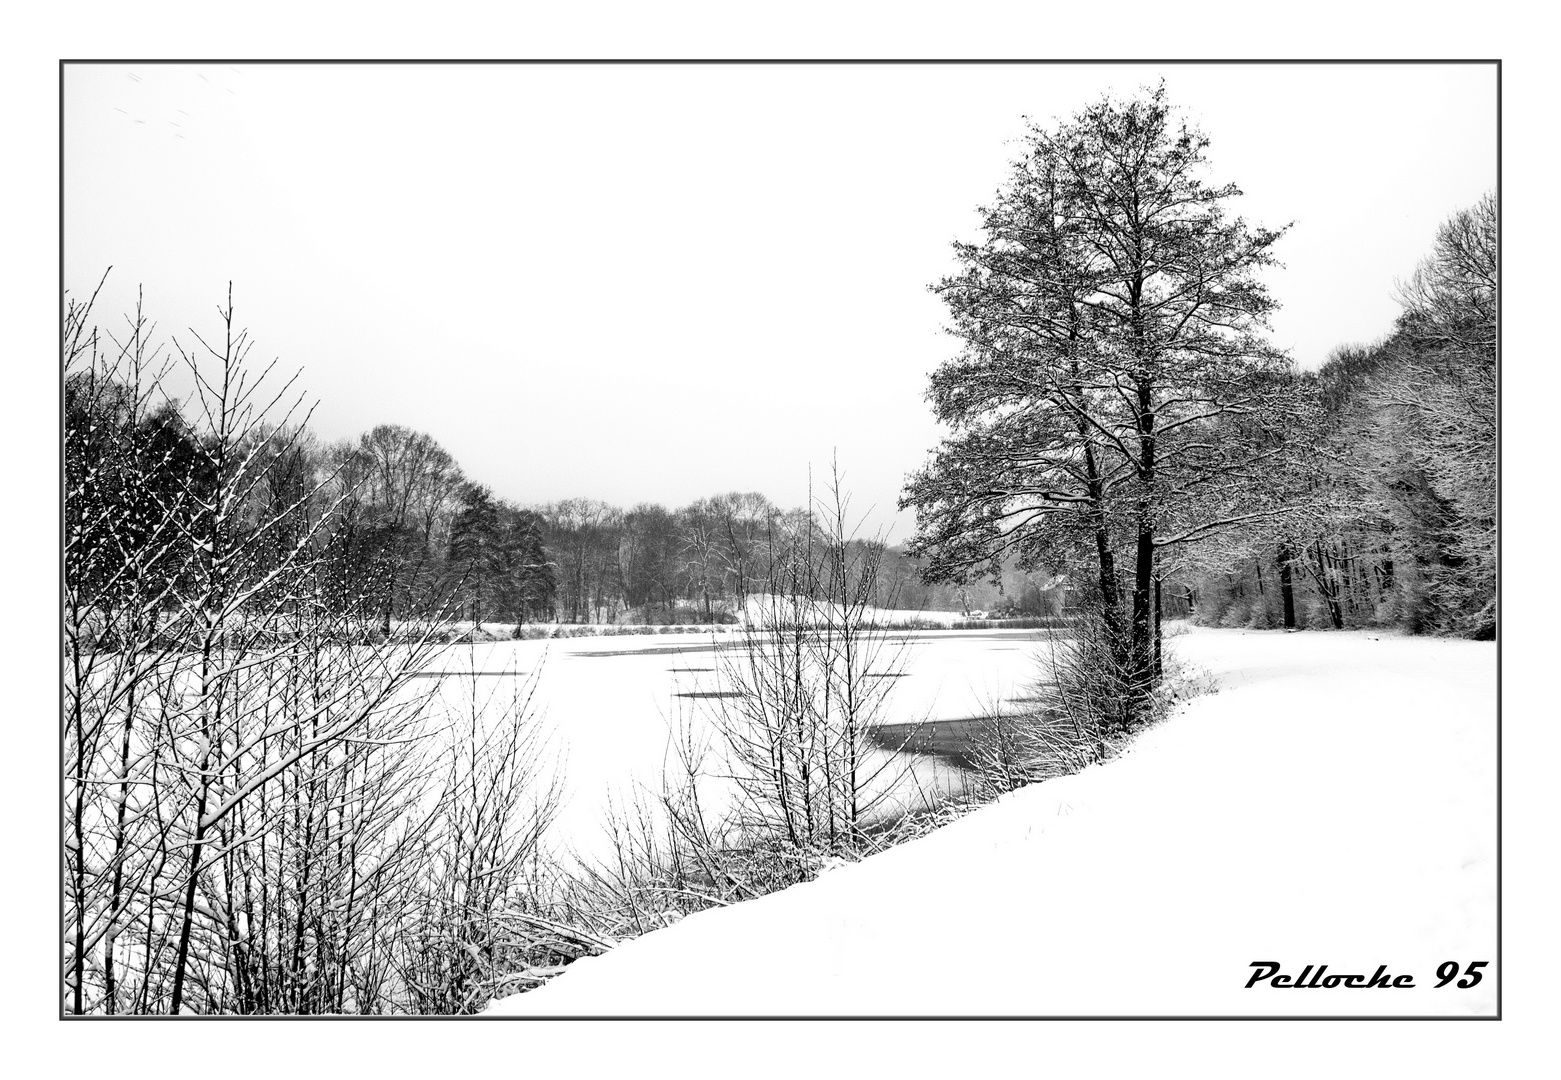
(1113, 385)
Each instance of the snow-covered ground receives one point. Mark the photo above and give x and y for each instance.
(1334, 802)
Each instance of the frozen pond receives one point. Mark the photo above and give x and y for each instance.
(609, 704)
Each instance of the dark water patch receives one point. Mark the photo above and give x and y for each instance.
(688, 670)
(888, 675)
(955, 740)
(959, 741)
(461, 674)
(662, 650)
(710, 694)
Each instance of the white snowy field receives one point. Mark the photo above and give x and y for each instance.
(1334, 802)
(608, 705)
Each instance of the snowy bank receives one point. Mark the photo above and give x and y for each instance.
(1333, 803)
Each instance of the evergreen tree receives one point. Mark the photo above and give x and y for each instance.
(476, 547)
(528, 586)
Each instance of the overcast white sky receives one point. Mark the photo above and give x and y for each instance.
(653, 283)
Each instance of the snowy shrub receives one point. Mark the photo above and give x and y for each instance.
(792, 743)
(1101, 688)
(264, 810)
(1011, 749)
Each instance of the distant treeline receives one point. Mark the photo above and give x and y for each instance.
(403, 532)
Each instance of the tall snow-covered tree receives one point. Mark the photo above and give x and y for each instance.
(1111, 316)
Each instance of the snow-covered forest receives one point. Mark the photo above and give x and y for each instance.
(287, 790)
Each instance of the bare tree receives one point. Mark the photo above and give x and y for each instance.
(250, 788)
(791, 772)
(475, 926)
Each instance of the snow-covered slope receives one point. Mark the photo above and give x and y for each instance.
(1333, 803)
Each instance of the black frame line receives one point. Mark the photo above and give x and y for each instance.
(66, 63)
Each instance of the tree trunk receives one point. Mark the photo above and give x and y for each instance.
(1145, 553)
(1142, 589)
(1286, 585)
(1109, 594)
(1159, 639)
(1328, 585)
(1110, 590)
